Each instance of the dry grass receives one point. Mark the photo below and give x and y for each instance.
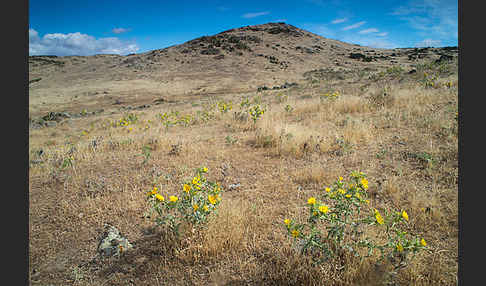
(407, 146)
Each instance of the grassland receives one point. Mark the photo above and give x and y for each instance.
(393, 126)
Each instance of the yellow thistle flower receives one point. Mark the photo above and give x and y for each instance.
(212, 199)
(422, 241)
(173, 199)
(399, 247)
(152, 192)
(311, 201)
(364, 182)
(405, 215)
(159, 197)
(187, 188)
(295, 233)
(378, 217)
(287, 221)
(323, 209)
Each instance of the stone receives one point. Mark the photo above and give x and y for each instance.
(112, 242)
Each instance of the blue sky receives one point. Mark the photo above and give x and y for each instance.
(121, 27)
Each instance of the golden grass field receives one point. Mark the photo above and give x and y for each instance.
(405, 141)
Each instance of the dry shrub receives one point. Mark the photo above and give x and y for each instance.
(315, 175)
(358, 132)
(226, 234)
(351, 104)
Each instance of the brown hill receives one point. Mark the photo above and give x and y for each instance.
(237, 60)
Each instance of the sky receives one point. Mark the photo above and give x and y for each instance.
(123, 27)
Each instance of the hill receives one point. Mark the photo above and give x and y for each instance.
(237, 60)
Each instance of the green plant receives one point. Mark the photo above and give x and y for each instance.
(330, 96)
(288, 108)
(345, 211)
(230, 140)
(198, 200)
(146, 153)
(256, 112)
(224, 107)
(67, 162)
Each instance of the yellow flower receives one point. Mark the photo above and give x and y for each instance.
(367, 201)
(357, 195)
(212, 199)
(348, 195)
(205, 169)
(311, 201)
(364, 182)
(195, 180)
(287, 221)
(205, 208)
(195, 207)
(405, 215)
(341, 191)
(152, 192)
(187, 188)
(399, 247)
(159, 197)
(340, 178)
(328, 189)
(422, 241)
(378, 217)
(173, 199)
(323, 209)
(295, 233)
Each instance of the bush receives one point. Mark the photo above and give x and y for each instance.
(194, 205)
(345, 210)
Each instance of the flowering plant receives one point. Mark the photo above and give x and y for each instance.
(199, 198)
(343, 211)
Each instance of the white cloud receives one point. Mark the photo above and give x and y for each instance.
(428, 43)
(337, 21)
(319, 29)
(120, 30)
(367, 31)
(431, 18)
(77, 44)
(253, 15)
(384, 34)
(354, 26)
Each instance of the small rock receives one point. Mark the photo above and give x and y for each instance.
(112, 243)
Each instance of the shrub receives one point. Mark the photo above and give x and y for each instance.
(345, 210)
(198, 199)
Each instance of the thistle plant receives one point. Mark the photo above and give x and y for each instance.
(146, 153)
(198, 199)
(330, 96)
(224, 107)
(345, 212)
(256, 112)
(67, 162)
(288, 108)
(245, 102)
